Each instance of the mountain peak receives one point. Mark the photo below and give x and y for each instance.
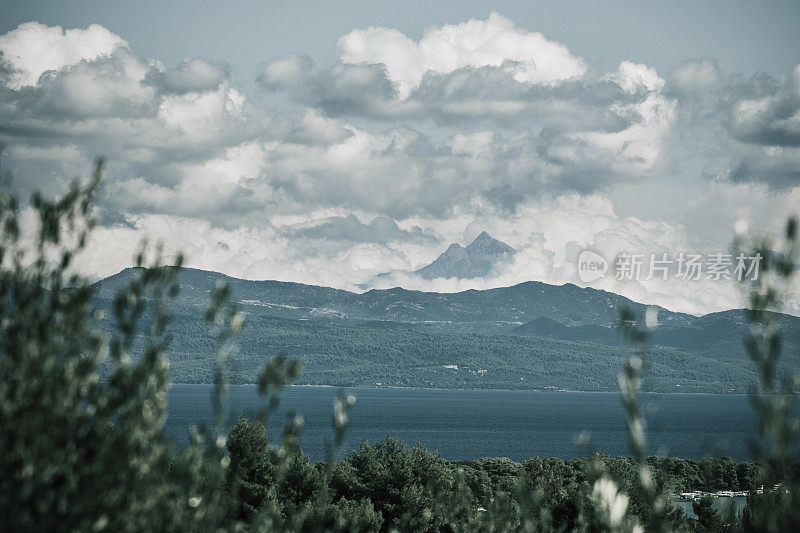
(476, 260)
(485, 244)
(481, 239)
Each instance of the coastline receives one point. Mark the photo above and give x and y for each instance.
(473, 389)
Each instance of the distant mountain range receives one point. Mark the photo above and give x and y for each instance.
(476, 260)
(527, 336)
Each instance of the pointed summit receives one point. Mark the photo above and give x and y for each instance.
(485, 244)
(476, 260)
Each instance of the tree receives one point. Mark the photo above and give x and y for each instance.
(252, 471)
(402, 481)
(79, 453)
(707, 517)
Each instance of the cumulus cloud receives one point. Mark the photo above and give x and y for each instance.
(747, 127)
(695, 77)
(339, 91)
(573, 129)
(103, 88)
(287, 73)
(463, 73)
(767, 112)
(380, 230)
(194, 75)
(776, 166)
(35, 48)
(530, 56)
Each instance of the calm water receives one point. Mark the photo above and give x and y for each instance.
(720, 504)
(473, 424)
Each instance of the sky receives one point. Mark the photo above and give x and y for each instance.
(328, 143)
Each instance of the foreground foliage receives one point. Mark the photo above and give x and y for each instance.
(84, 454)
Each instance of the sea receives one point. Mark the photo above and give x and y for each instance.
(471, 424)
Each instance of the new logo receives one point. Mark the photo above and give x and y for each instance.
(591, 266)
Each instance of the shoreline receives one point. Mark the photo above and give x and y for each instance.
(472, 389)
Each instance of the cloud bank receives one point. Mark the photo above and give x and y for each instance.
(398, 147)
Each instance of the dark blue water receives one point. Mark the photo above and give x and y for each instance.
(467, 424)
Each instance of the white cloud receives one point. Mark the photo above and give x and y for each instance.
(107, 87)
(636, 77)
(496, 41)
(283, 73)
(695, 77)
(35, 48)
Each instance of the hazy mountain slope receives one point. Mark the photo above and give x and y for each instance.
(499, 309)
(532, 336)
(701, 333)
(476, 260)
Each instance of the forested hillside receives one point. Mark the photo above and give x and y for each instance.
(529, 336)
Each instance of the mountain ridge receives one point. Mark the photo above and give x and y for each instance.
(531, 335)
(123, 274)
(311, 292)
